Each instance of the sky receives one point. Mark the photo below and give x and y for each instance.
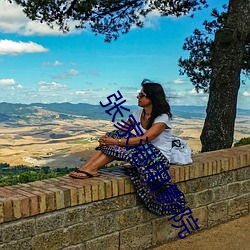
(40, 64)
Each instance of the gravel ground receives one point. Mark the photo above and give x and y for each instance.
(232, 235)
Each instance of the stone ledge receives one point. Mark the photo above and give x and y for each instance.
(211, 163)
(39, 197)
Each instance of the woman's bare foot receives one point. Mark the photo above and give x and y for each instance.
(83, 174)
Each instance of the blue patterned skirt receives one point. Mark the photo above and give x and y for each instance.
(149, 173)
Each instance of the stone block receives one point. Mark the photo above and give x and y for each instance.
(49, 222)
(240, 174)
(74, 215)
(182, 186)
(136, 238)
(220, 193)
(217, 213)
(202, 214)
(105, 224)
(190, 200)
(238, 206)
(53, 240)
(99, 208)
(130, 217)
(196, 185)
(107, 242)
(203, 198)
(24, 244)
(234, 189)
(19, 230)
(1, 235)
(225, 178)
(245, 186)
(212, 181)
(80, 233)
(77, 247)
(163, 231)
(247, 172)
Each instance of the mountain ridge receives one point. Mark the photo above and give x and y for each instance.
(66, 110)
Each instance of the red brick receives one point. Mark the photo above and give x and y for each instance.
(6, 192)
(66, 195)
(59, 198)
(73, 195)
(41, 201)
(7, 209)
(187, 172)
(1, 211)
(182, 173)
(127, 185)
(17, 210)
(33, 200)
(172, 173)
(25, 205)
(121, 185)
(78, 184)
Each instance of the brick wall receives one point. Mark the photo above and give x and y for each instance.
(105, 213)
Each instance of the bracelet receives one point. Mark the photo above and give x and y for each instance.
(119, 141)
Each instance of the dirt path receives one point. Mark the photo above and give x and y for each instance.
(233, 235)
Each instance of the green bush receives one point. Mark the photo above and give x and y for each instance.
(242, 142)
(23, 174)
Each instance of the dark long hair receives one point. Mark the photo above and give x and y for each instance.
(155, 93)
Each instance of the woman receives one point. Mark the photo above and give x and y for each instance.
(147, 153)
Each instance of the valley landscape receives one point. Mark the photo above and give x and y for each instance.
(65, 135)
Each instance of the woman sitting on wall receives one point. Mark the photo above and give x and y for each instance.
(148, 152)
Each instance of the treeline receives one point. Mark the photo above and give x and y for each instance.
(24, 174)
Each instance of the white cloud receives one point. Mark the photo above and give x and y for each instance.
(80, 92)
(13, 20)
(10, 84)
(7, 82)
(73, 72)
(19, 86)
(55, 63)
(178, 81)
(15, 48)
(246, 93)
(51, 86)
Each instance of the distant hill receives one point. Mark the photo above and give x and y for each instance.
(10, 112)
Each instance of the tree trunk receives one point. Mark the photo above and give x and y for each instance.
(227, 56)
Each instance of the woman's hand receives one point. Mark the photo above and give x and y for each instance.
(107, 141)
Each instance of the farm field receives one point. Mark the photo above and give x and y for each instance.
(62, 143)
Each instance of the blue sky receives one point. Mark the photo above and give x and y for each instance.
(38, 64)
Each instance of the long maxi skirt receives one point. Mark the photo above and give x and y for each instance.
(149, 173)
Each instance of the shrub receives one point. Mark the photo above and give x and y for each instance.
(242, 142)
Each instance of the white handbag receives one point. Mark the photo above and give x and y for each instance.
(180, 152)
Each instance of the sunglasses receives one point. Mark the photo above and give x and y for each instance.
(140, 94)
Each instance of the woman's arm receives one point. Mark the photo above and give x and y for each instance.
(152, 133)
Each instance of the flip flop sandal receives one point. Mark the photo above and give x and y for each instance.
(87, 175)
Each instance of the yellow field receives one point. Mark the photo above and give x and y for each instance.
(33, 145)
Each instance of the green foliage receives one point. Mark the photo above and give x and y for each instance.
(109, 17)
(242, 142)
(198, 66)
(23, 174)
